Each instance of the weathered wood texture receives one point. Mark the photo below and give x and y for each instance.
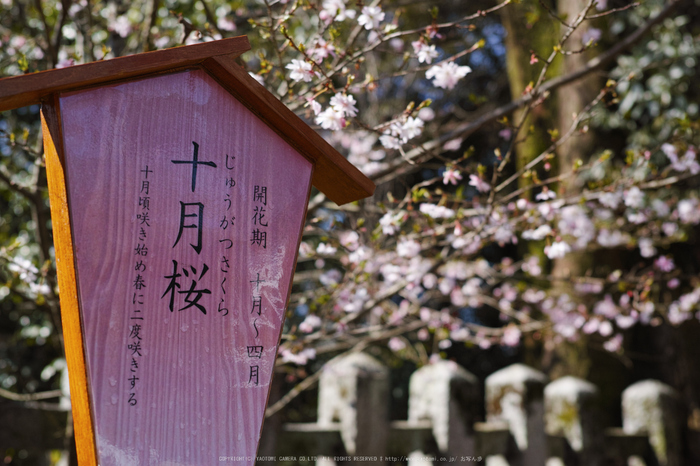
(65, 261)
(30, 89)
(196, 393)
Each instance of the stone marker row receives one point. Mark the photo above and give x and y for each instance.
(529, 421)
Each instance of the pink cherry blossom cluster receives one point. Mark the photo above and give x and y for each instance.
(438, 256)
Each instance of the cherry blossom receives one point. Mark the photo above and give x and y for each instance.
(322, 50)
(546, 195)
(371, 17)
(345, 104)
(310, 323)
(301, 70)
(335, 10)
(121, 25)
(225, 24)
(557, 249)
(614, 238)
(472, 287)
(390, 222)
(361, 254)
(437, 211)
(447, 74)
(479, 184)
(300, 358)
(660, 208)
(330, 277)
(331, 119)
(401, 132)
(453, 144)
(614, 344)
(65, 63)
(326, 249)
(575, 222)
(538, 234)
(605, 328)
(511, 336)
(532, 267)
(396, 344)
(390, 142)
(664, 263)
(687, 163)
(646, 247)
(611, 199)
(425, 52)
(634, 197)
(591, 35)
(669, 228)
(451, 176)
(349, 240)
(411, 128)
(408, 248)
(315, 107)
(688, 211)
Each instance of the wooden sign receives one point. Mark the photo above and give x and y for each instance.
(178, 199)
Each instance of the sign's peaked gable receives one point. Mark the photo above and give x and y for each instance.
(333, 174)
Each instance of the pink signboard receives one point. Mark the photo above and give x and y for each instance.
(186, 212)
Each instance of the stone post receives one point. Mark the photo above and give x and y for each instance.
(515, 395)
(446, 395)
(571, 412)
(653, 408)
(354, 391)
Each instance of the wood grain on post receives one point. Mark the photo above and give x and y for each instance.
(70, 314)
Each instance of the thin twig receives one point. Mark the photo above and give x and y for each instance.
(305, 384)
(614, 10)
(30, 396)
(211, 19)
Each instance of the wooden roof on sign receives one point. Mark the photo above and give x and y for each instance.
(333, 174)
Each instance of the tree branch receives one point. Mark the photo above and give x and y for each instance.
(211, 19)
(428, 149)
(30, 396)
(146, 39)
(58, 29)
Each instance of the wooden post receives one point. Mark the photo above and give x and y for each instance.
(67, 282)
(515, 395)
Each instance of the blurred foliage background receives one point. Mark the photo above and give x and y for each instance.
(654, 99)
